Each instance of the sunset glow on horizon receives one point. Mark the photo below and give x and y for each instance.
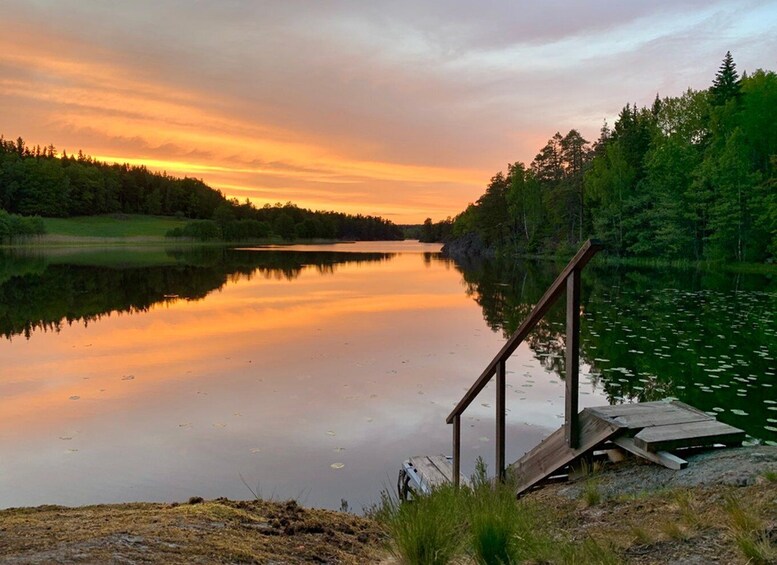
(402, 111)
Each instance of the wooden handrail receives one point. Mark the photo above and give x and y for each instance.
(497, 364)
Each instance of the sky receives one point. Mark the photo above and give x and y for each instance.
(402, 109)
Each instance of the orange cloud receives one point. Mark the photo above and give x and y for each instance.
(93, 103)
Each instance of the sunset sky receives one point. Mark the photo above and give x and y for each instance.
(400, 109)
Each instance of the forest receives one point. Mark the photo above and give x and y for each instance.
(692, 177)
(37, 181)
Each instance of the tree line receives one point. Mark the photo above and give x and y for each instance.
(38, 181)
(690, 177)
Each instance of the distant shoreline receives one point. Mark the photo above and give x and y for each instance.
(60, 240)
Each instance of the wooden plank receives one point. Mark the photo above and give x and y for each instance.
(647, 414)
(443, 466)
(664, 458)
(659, 438)
(620, 409)
(553, 453)
(584, 254)
(661, 418)
(639, 407)
(571, 424)
(456, 449)
(429, 473)
(433, 471)
(685, 406)
(501, 410)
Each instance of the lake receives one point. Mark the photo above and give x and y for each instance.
(312, 372)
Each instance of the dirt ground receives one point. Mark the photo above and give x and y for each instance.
(644, 514)
(218, 531)
(648, 514)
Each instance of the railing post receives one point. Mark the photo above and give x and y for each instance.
(501, 408)
(572, 432)
(456, 450)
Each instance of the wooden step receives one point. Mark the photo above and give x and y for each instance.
(648, 414)
(553, 454)
(690, 434)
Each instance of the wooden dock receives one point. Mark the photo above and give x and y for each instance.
(422, 473)
(649, 430)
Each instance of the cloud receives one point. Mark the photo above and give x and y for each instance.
(378, 102)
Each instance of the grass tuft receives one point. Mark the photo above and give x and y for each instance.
(591, 494)
(496, 524)
(641, 535)
(690, 512)
(673, 530)
(749, 534)
(426, 531)
(591, 552)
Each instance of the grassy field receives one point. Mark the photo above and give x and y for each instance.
(113, 225)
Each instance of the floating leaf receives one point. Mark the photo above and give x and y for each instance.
(337, 465)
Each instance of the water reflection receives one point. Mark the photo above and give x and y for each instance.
(708, 338)
(313, 372)
(354, 360)
(45, 290)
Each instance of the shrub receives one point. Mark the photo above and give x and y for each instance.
(12, 225)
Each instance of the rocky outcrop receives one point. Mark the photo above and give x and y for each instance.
(468, 245)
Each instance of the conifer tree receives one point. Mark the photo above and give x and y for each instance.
(726, 84)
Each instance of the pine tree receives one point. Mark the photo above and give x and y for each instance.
(726, 84)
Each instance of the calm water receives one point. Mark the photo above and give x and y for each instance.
(312, 372)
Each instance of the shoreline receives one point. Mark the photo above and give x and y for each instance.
(57, 241)
(642, 513)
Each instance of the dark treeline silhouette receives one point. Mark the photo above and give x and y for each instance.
(648, 333)
(36, 181)
(38, 295)
(692, 177)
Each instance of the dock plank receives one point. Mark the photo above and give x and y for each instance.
(432, 471)
(648, 414)
(443, 466)
(664, 458)
(658, 438)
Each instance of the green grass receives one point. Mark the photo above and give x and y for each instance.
(484, 523)
(770, 476)
(591, 494)
(426, 531)
(112, 226)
